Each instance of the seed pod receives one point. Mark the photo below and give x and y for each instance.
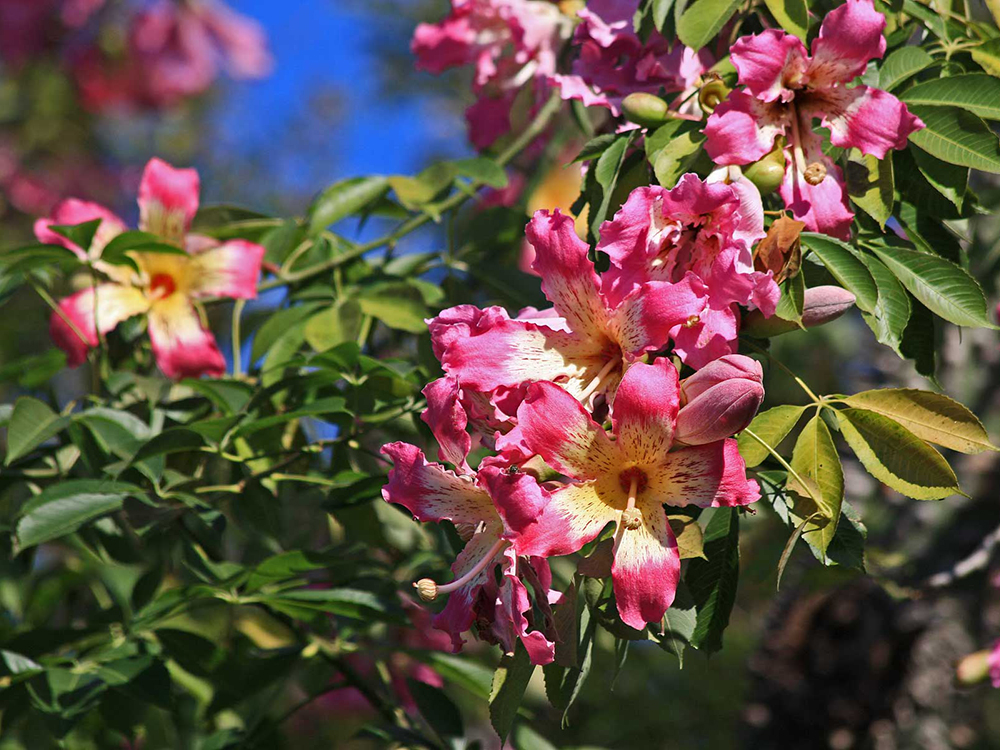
(645, 109)
(767, 172)
(822, 304)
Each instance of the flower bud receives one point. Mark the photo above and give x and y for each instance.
(645, 109)
(719, 400)
(822, 304)
(767, 172)
(712, 94)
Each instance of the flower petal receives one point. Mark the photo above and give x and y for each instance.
(766, 60)
(645, 410)
(554, 425)
(72, 211)
(228, 270)
(742, 129)
(431, 492)
(646, 568)
(712, 336)
(510, 623)
(114, 303)
(182, 347)
(867, 119)
(568, 277)
(448, 419)
(458, 614)
(850, 36)
(712, 475)
(643, 321)
(822, 207)
(168, 200)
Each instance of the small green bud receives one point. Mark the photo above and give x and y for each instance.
(645, 109)
(768, 172)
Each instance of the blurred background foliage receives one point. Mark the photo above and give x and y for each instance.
(836, 659)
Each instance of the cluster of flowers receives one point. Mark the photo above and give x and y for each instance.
(769, 118)
(536, 389)
(173, 50)
(163, 286)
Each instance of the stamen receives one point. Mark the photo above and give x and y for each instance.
(632, 516)
(815, 173)
(797, 152)
(598, 380)
(429, 590)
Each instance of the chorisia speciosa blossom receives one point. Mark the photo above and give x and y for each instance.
(624, 479)
(698, 229)
(787, 88)
(433, 493)
(163, 286)
(587, 347)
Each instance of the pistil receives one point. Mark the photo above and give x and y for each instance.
(799, 157)
(632, 516)
(429, 590)
(600, 378)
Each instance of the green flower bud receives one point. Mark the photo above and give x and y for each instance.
(645, 109)
(768, 172)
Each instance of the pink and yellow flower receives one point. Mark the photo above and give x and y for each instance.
(432, 493)
(698, 229)
(165, 286)
(624, 480)
(786, 89)
(587, 347)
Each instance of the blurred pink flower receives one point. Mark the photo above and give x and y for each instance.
(994, 662)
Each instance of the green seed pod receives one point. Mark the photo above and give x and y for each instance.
(645, 109)
(768, 172)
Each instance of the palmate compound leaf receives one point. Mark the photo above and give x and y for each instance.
(896, 457)
(930, 416)
(771, 426)
(815, 459)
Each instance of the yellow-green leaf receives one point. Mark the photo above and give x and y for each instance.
(690, 540)
(928, 415)
(815, 459)
(771, 426)
(792, 15)
(896, 457)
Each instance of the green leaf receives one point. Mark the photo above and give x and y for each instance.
(483, 170)
(896, 457)
(595, 147)
(661, 10)
(900, 65)
(870, 185)
(81, 235)
(677, 156)
(343, 199)
(892, 310)
(31, 423)
(841, 261)
(957, 137)
(417, 192)
(713, 582)
(946, 289)
(793, 298)
(606, 172)
(930, 416)
(815, 458)
(397, 304)
(319, 408)
(987, 55)
(771, 426)
(791, 15)
(679, 622)
(949, 180)
(277, 324)
(118, 249)
(437, 709)
(62, 508)
(703, 19)
(334, 325)
(976, 92)
(174, 440)
(509, 683)
(471, 675)
(786, 553)
(346, 602)
(919, 342)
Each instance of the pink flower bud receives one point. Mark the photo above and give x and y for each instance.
(719, 400)
(822, 304)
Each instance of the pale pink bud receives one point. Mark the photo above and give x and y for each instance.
(821, 305)
(719, 400)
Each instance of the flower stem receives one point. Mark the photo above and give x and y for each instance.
(58, 311)
(237, 342)
(816, 399)
(784, 464)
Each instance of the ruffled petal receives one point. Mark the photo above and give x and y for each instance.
(554, 425)
(643, 321)
(181, 346)
(850, 36)
(228, 270)
(765, 61)
(742, 129)
(168, 200)
(568, 277)
(711, 336)
(645, 411)
(431, 492)
(448, 420)
(646, 568)
(510, 623)
(712, 475)
(867, 119)
(822, 207)
(114, 303)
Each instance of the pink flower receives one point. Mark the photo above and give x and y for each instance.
(626, 481)
(698, 229)
(23, 26)
(719, 400)
(587, 347)
(510, 43)
(613, 62)
(994, 662)
(165, 286)
(786, 89)
(432, 493)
